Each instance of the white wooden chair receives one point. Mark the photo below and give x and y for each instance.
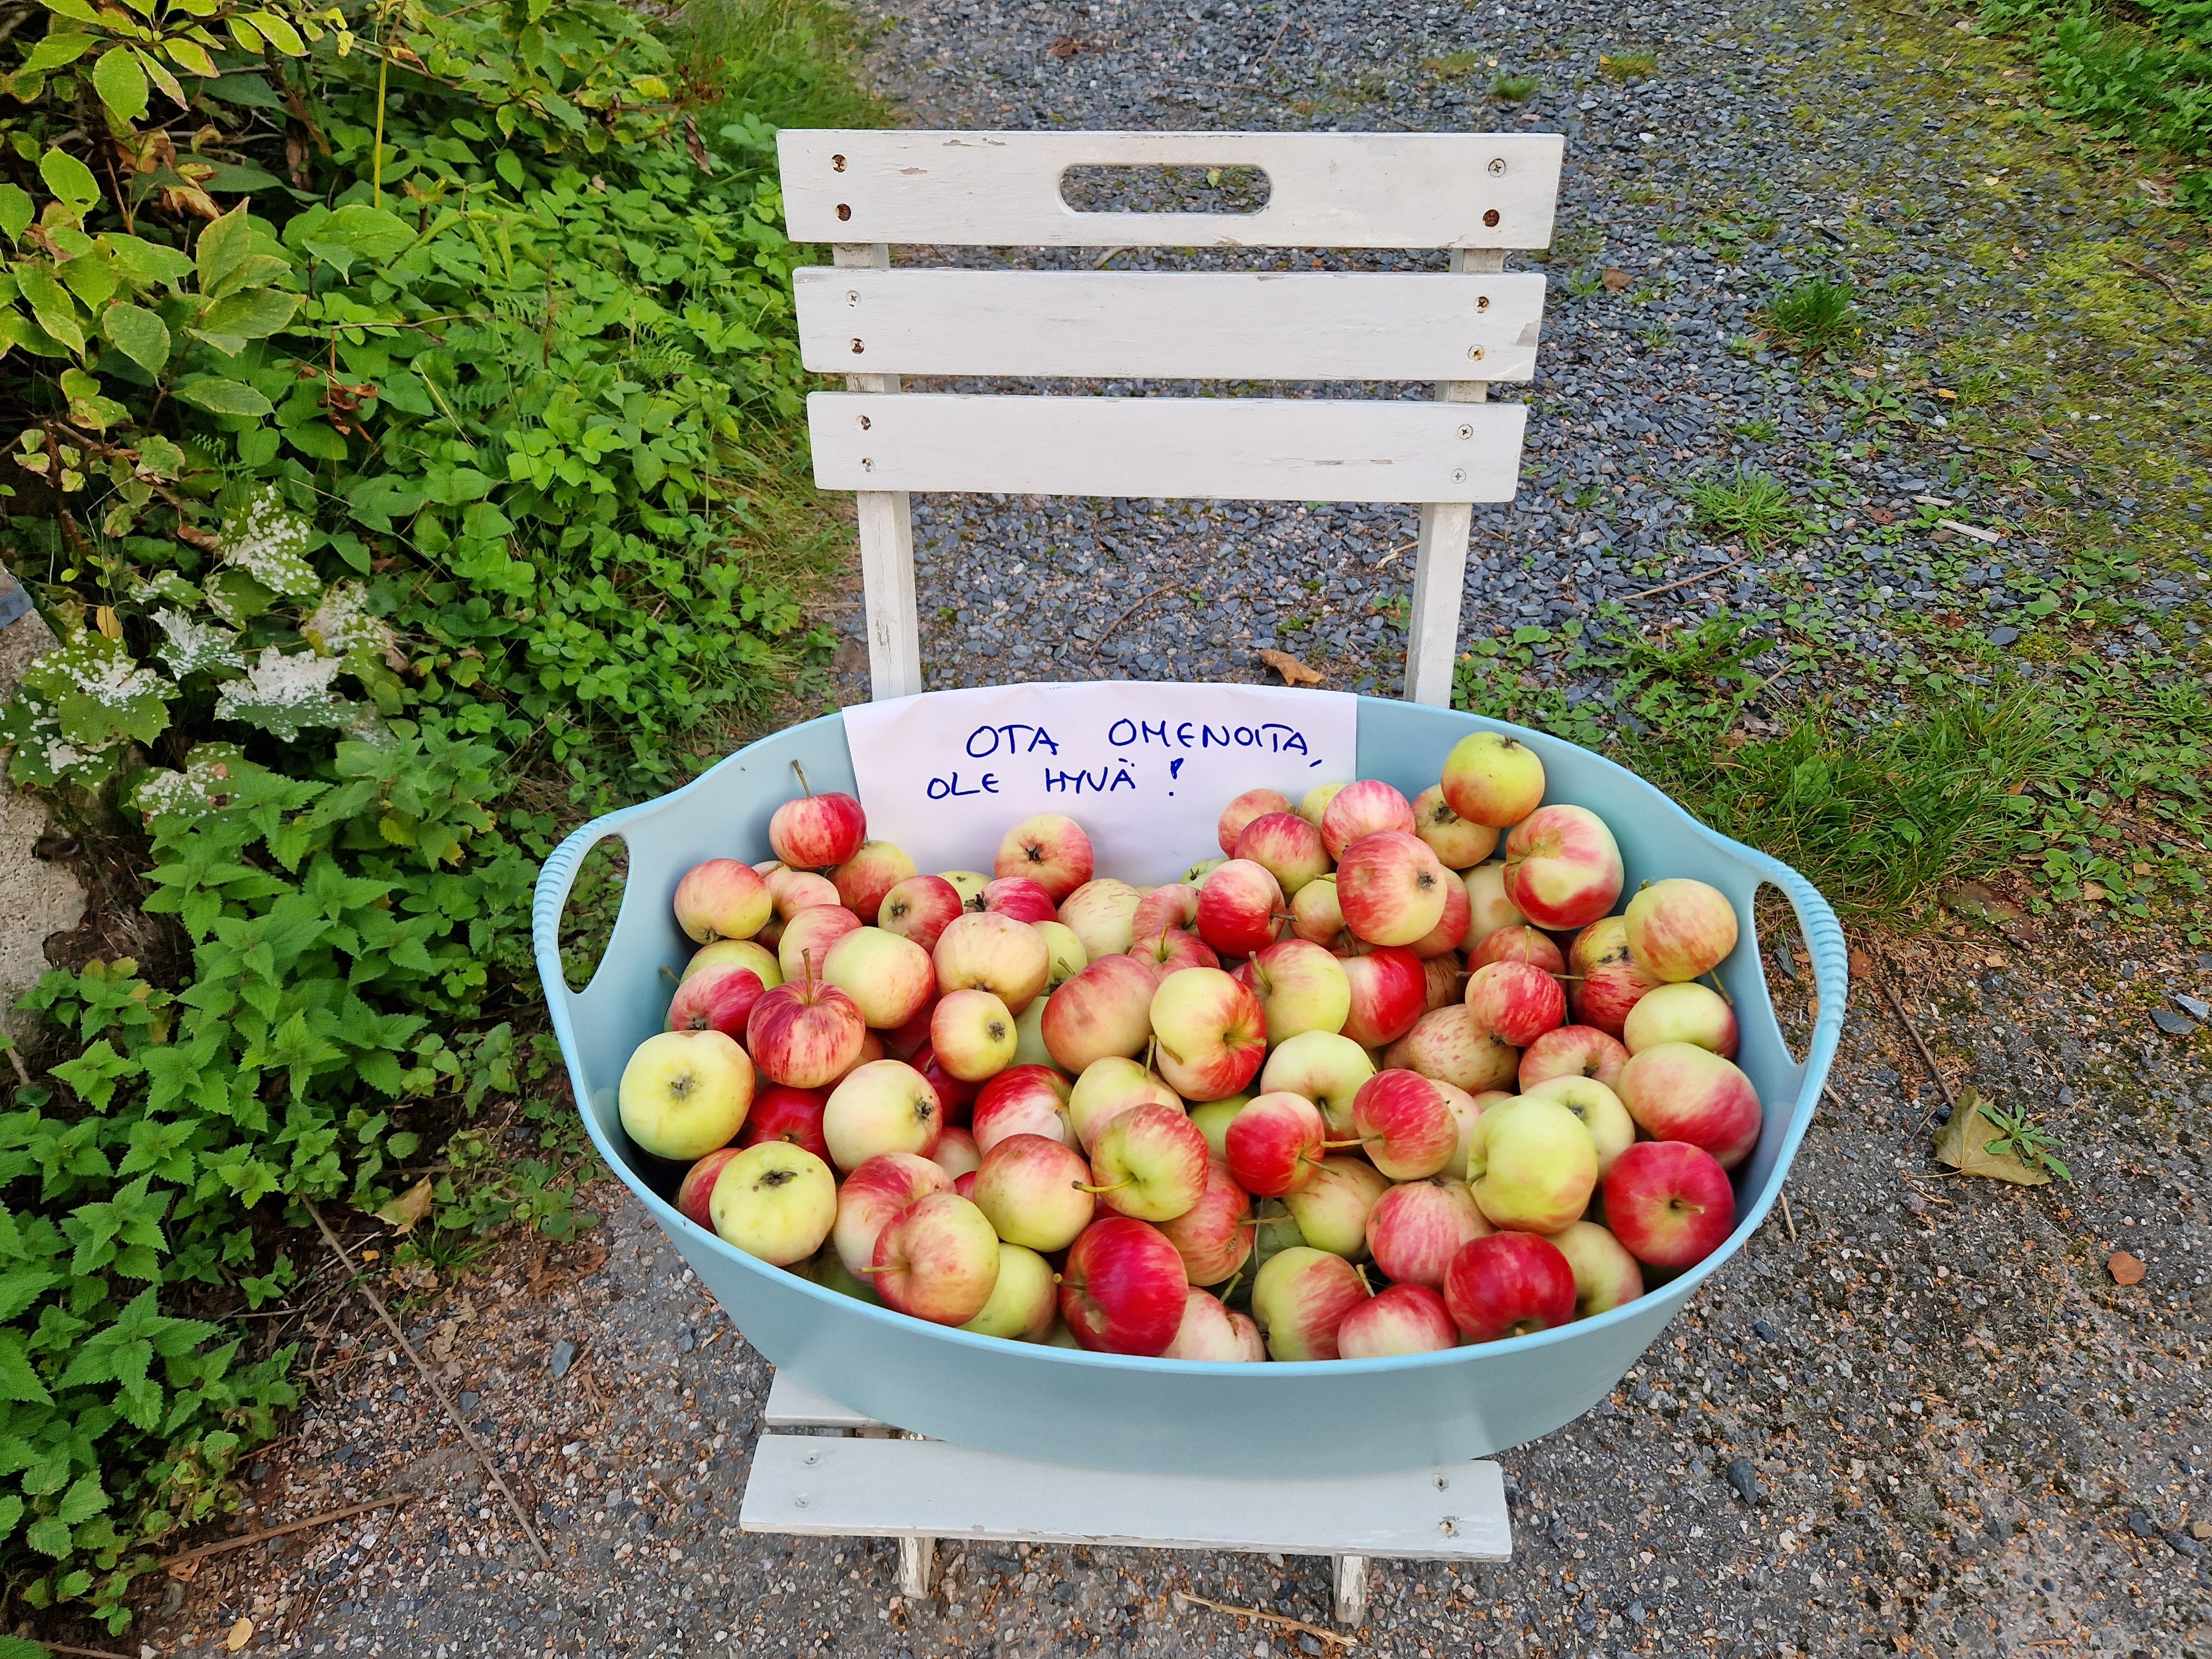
(1474, 195)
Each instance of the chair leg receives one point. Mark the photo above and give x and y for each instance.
(1439, 574)
(1351, 1577)
(917, 1565)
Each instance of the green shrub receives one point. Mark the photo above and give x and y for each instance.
(1814, 316)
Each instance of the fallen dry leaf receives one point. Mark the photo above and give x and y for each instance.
(1972, 900)
(410, 1207)
(2125, 1269)
(2093, 889)
(1066, 46)
(1963, 1143)
(1615, 279)
(1293, 671)
(1861, 964)
(241, 1634)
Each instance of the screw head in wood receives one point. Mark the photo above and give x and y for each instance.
(1459, 474)
(866, 423)
(1489, 218)
(845, 211)
(1474, 351)
(1466, 432)
(1497, 164)
(836, 164)
(853, 297)
(858, 349)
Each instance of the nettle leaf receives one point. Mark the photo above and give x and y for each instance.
(269, 542)
(100, 697)
(219, 396)
(83, 1500)
(284, 695)
(121, 83)
(19, 1289)
(211, 775)
(49, 1537)
(17, 1380)
(194, 646)
(138, 334)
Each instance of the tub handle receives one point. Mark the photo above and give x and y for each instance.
(551, 897)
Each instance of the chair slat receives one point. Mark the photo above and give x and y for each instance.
(1235, 448)
(1352, 189)
(1270, 326)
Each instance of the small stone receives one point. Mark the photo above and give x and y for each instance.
(2003, 636)
(2196, 1007)
(2125, 1268)
(1744, 1479)
(2171, 1022)
(2139, 1525)
(1764, 1331)
(564, 1355)
(468, 1400)
(2182, 1544)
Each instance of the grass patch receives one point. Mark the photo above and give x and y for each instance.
(1749, 502)
(1513, 89)
(1812, 317)
(1629, 65)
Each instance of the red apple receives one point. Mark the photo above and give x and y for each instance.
(1022, 1100)
(784, 1113)
(1443, 939)
(804, 1033)
(1488, 908)
(1508, 1285)
(1572, 1051)
(1102, 913)
(938, 1259)
(885, 1106)
(1325, 1067)
(1493, 779)
(1314, 913)
(1446, 976)
(920, 908)
(715, 999)
(698, 1185)
(1252, 804)
(1679, 1092)
(1175, 905)
(1389, 993)
(1406, 1126)
(954, 1095)
(1516, 1000)
(1606, 1275)
(955, 1153)
(1403, 1319)
(721, 899)
(864, 879)
(1022, 899)
(1210, 1331)
(794, 890)
(1122, 1289)
(972, 1035)
(1562, 867)
(1682, 1013)
(890, 979)
(1150, 1163)
(1368, 807)
(1610, 983)
(1273, 1145)
(1300, 1297)
(1171, 950)
(1239, 907)
(1286, 847)
(1214, 1236)
(1300, 988)
(1107, 1009)
(1518, 944)
(878, 1189)
(1108, 1088)
(987, 951)
(964, 1186)
(817, 832)
(1051, 850)
(1035, 1192)
(1213, 1033)
(1679, 928)
(1452, 1046)
(808, 936)
(737, 954)
(1416, 1229)
(1390, 887)
(1668, 1203)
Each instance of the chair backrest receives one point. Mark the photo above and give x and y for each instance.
(1475, 195)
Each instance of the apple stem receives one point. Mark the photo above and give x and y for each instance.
(1230, 1289)
(1116, 1188)
(1266, 1220)
(1722, 990)
(1360, 1268)
(1331, 1145)
(803, 783)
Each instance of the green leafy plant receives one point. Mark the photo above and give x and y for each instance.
(1814, 316)
(1748, 502)
(1513, 89)
(1629, 65)
(2018, 1137)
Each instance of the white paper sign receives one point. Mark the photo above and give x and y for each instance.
(1144, 768)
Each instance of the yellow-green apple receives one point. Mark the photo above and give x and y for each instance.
(1492, 778)
(1466, 1109)
(1252, 804)
(1300, 1298)
(817, 832)
(864, 879)
(1508, 1285)
(968, 884)
(716, 1000)
(1171, 950)
(1332, 1209)
(1404, 1124)
(1417, 1227)
(984, 951)
(1314, 913)
(738, 953)
(1459, 843)
(1175, 905)
(890, 979)
(1150, 1163)
(1403, 1319)
(1197, 874)
(1326, 1069)
(1213, 1118)
(1668, 1203)
(721, 899)
(1606, 1275)
(1050, 850)
(1612, 1131)
(1390, 887)
(955, 1152)
(775, 1201)
(1562, 867)
(1451, 1045)
(1103, 914)
(1035, 1191)
(1024, 1303)
(972, 1035)
(1107, 1089)
(884, 1106)
(1214, 1236)
(1446, 978)
(1389, 993)
(794, 890)
(877, 1189)
(1315, 800)
(1518, 944)
(825, 1269)
(1020, 897)
(1106, 1009)
(937, 1260)
(1065, 956)
(1029, 1034)
(1211, 1332)
(1684, 1011)
(1443, 939)
(1122, 1289)
(1532, 1164)
(1274, 1146)
(1213, 1033)
(1240, 909)
(808, 936)
(792, 1115)
(1300, 988)
(1022, 1099)
(1572, 1051)
(1679, 928)
(685, 1093)
(1286, 847)
(1607, 982)
(920, 908)
(1488, 908)
(698, 1186)
(1366, 807)
(1679, 1092)
(1517, 1001)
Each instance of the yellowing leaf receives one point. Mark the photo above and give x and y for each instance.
(241, 1634)
(121, 83)
(1963, 1143)
(410, 1207)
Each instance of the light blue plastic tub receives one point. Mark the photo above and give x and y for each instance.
(1062, 1406)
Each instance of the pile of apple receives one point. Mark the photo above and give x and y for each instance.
(1041, 1104)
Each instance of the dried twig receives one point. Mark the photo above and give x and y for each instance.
(1321, 1630)
(89, 1653)
(266, 1532)
(1788, 1220)
(1926, 1055)
(1698, 576)
(2166, 283)
(475, 1443)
